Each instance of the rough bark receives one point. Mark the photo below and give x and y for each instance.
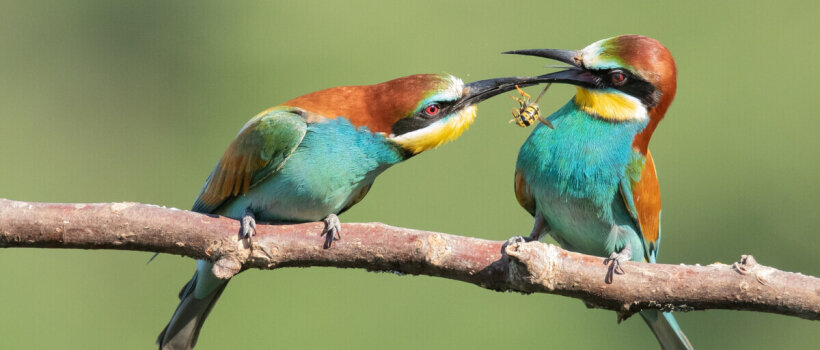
(523, 267)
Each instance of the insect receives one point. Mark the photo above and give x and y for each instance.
(528, 111)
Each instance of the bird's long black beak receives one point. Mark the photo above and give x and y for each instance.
(576, 75)
(567, 56)
(481, 90)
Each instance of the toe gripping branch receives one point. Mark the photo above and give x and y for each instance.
(332, 231)
(614, 262)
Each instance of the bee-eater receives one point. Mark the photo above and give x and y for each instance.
(590, 182)
(315, 156)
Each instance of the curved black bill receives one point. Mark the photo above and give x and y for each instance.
(566, 56)
(576, 75)
(483, 89)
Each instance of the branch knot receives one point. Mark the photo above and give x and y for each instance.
(534, 263)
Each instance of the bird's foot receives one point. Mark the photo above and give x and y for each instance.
(332, 231)
(517, 240)
(537, 231)
(248, 229)
(614, 263)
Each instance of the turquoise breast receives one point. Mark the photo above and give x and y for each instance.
(334, 162)
(573, 171)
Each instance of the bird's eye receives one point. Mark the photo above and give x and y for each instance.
(432, 109)
(617, 77)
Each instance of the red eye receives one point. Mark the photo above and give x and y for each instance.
(617, 77)
(432, 109)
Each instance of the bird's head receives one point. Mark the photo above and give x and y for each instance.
(417, 112)
(440, 107)
(623, 78)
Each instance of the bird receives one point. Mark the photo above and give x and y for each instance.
(590, 183)
(315, 156)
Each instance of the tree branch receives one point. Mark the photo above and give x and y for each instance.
(524, 267)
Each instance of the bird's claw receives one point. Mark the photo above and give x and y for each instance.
(332, 231)
(517, 240)
(614, 263)
(248, 229)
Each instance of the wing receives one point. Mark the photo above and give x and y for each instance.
(642, 196)
(259, 151)
(522, 193)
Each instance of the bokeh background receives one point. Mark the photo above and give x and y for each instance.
(136, 100)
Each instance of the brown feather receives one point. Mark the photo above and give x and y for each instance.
(647, 197)
(376, 106)
(522, 194)
(652, 61)
(232, 175)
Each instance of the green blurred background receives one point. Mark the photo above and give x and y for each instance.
(135, 101)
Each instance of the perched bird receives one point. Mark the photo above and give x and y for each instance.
(317, 155)
(590, 182)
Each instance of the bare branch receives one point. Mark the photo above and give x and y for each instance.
(524, 267)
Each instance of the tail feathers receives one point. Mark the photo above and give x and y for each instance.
(666, 329)
(182, 331)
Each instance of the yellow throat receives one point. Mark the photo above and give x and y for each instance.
(610, 105)
(435, 134)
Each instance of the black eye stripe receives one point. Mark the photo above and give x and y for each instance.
(421, 119)
(617, 76)
(632, 85)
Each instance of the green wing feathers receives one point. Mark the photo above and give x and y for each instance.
(259, 150)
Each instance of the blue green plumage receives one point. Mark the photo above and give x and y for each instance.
(332, 164)
(314, 156)
(312, 169)
(579, 174)
(591, 182)
(574, 173)
(317, 155)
